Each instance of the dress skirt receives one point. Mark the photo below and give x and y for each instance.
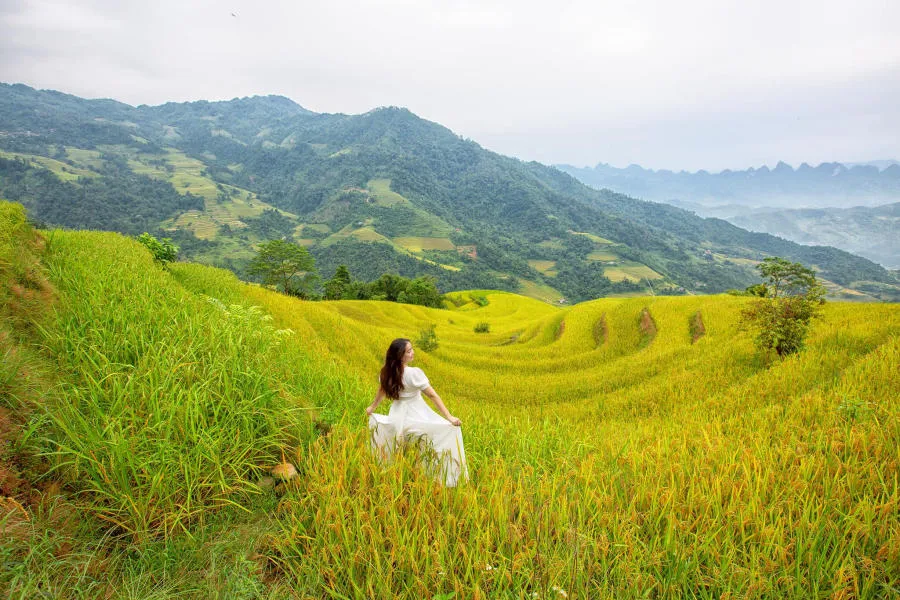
(413, 421)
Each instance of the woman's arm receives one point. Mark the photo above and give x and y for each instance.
(379, 396)
(440, 405)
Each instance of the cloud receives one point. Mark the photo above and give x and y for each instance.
(576, 81)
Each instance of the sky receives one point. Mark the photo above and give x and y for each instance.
(692, 84)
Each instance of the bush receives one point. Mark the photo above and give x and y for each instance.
(479, 299)
(483, 327)
(163, 251)
(427, 339)
(788, 301)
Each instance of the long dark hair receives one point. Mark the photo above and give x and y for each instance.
(392, 371)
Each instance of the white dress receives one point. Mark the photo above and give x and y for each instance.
(411, 419)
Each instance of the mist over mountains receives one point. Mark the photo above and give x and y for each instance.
(848, 206)
(829, 184)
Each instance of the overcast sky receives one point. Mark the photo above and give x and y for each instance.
(680, 85)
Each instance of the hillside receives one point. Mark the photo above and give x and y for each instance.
(847, 207)
(873, 232)
(615, 449)
(382, 191)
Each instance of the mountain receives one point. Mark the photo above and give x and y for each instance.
(382, 191)
(845, 206)
(827, 185)
(873, 232)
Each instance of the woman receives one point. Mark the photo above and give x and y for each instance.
(411, 417)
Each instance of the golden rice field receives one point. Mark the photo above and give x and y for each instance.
(607, 462)
(612, 453)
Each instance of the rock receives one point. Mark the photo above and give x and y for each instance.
(285, 471)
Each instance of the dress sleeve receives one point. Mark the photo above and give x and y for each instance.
(419, 380)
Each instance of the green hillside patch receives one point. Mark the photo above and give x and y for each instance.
(602, 256)
(64, 171)
(418, 244)
(544, 267)
(382, 193)
(367, 234)
(88, 159)
(201, 224)
(539, 291)
(187, 176)
(594, 238)
(552, 244)
(630, 271)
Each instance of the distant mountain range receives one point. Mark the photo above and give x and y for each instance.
(826, 185)
(851, 206)
(382, 191)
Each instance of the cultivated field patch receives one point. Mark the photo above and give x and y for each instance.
(418, 244)
(630, 271)
(382, 193)
(546, 267)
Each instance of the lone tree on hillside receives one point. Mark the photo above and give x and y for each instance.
(163, 251)
(286, 266)
(337, 286)
(788, 299)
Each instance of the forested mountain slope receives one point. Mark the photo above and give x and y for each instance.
(380, 191)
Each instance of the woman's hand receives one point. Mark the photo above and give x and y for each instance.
(369, 410)
(454, 421)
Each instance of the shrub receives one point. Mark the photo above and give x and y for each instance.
(427, 339)
(163, 251)
(479, 299)
(483, 327)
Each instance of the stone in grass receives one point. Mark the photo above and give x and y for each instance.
(284, 471)
(266, 483)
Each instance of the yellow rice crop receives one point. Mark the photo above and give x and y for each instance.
(609, 464)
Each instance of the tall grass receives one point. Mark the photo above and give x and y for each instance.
(603, 465)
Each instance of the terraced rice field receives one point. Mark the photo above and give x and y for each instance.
(418, 244)
(384, 196)
(63, 171)
(613, 451)
(547, 267)
(594, 238)
(631, 271)
(612, 455)
(599, 255)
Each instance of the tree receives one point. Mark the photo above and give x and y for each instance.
(389, 287)
(423, 291)
(284, 265)
(788, 300)
(338, 286)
